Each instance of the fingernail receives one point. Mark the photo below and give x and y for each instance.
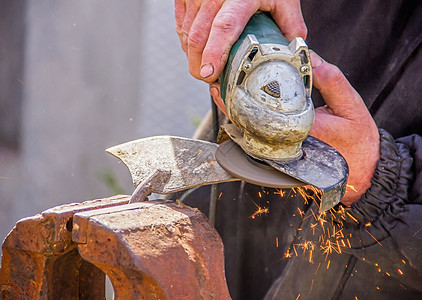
(206, 70)
(316, 60)
(214, 92)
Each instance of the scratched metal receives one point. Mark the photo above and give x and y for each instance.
(321, 166)
(190, 162)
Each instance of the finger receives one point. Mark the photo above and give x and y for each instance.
(191, 10)
(215, 93)
(198, 36)
(226, 29)
(179, 14)
(288, 16)
(336, 90)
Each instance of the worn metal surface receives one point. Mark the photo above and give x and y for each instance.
(146, 187)
(321, 166)
(40, 261)
(268, 97)
(150, 250)
(234, 160)
(191, 162)
(154, 250)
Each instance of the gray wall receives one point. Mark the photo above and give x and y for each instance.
(85, 75)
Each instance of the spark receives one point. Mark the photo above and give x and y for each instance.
(294, 249)
(301, 212)
(276, 242)
(316, 191)
(259, 211)
(287, 254)
(313, 227)
(304, 195)
(403, 261)
(373, 237)
(400, 271)
(297, 297)
(352, 217)
(368, 224)
(312, 211)
(388, 274)
(341, 212)
(280, 192)
(329, 247)
(259, 195)
(378, 287)
(219, 196)
(308, 245)
(351, 187)
(338, 247)
(328, 264)
(322, 216)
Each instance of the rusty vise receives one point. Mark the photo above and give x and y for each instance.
(149, 250)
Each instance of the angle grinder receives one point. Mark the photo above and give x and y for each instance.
(266, 87)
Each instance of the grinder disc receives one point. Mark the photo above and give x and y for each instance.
(237, 163)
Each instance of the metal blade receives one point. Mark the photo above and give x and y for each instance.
(189, 162)
(321, 166)
(235, 161)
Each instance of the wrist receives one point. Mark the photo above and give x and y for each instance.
(392, 173)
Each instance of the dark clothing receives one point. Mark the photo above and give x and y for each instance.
(377, 45)
(284, 253)
(385, 235)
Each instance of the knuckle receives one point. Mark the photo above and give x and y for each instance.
(196, 40)
(225, 22)
(336, 77)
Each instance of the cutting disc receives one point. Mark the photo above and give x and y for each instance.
(237, 163)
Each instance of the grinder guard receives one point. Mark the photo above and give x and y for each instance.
(266, 87)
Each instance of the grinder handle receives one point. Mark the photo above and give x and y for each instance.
(265, 30)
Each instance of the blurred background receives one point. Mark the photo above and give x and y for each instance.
(75, 78)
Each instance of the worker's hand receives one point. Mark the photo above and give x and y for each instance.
(345, 124)
(208, 28)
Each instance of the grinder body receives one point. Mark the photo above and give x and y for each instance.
(266, 88)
